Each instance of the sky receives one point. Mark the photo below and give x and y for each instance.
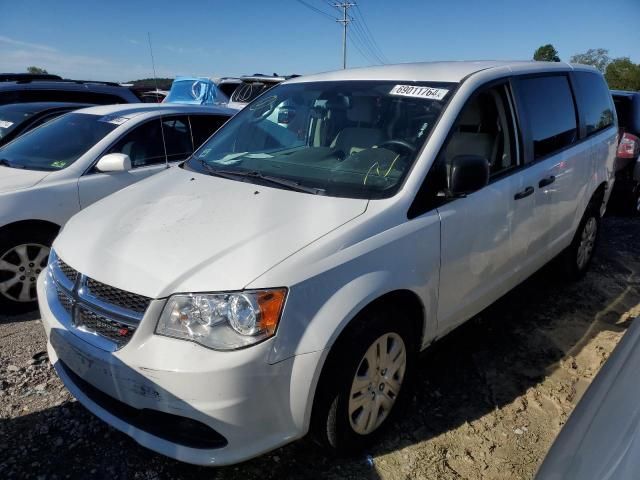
(107, 39)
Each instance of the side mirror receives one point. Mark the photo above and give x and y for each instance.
(468, 173)
(114, 162)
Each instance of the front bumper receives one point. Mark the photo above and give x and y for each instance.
(250, 403)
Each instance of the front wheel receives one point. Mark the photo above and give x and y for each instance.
(364, 383)
(23, 255)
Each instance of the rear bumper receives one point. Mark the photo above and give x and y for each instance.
(238, 402)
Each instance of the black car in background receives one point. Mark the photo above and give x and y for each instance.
(626, 191)
(76, 91)
(19, 118)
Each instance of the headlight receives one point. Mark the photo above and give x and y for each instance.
(223, 321)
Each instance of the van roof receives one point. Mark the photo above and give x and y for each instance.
(433, 71)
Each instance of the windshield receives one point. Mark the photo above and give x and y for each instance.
(11, 118)
(195, 91)
(350, 139)
(58, 143)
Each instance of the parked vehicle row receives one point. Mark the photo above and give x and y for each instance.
(283, 278)
(52, 172)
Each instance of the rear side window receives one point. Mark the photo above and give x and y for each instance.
(594, 101)
(203, 126)
(177, 139)
(547, 104)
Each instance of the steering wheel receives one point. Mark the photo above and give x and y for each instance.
(400, 143)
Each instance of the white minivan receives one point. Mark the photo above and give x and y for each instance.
(284, 278)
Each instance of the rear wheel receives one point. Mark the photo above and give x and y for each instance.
(23, 255)
(578, 256)
(364, 383)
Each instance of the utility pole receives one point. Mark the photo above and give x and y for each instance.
(345, 20)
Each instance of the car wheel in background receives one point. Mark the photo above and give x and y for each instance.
(23, 255)
(365, 381)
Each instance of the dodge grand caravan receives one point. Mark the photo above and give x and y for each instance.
(291, 270)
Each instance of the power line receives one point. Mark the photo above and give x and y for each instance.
(370, 35)
(360, 50)
(316, 10)
(366, 43)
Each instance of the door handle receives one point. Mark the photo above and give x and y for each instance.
(525, 193)
(546, 181)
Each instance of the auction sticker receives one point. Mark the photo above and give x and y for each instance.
(416, 91)
(5, 124)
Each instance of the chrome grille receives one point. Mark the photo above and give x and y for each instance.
(118, 332)
(104, 316)
(65, 300)
(115, 296)
(67, 271)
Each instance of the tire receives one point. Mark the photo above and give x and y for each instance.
(339, 421)
(23, 255)
(578, 256)
(634, 200)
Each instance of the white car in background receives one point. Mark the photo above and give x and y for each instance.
(52, 172)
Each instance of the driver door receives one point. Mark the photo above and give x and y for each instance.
(483, 234)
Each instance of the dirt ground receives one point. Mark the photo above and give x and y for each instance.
(489, 400)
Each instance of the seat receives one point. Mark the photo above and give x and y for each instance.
(468, 139)
(363, 134)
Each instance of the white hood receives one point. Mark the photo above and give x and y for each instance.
(181, 231)
(16, 178)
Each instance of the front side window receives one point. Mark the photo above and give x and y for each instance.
(485, 128)
(350, 138)
(57, 144)
(143, 144)
(594, 101)
(547, 104)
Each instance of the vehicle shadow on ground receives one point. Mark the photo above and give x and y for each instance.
(485, 364)
(19, 317)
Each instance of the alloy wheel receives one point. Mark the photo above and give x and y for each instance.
(19, 269)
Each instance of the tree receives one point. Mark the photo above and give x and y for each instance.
(546, 53)
(36, 70)
(623, 74)
(596, 57)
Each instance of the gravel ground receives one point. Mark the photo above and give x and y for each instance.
(489, 400)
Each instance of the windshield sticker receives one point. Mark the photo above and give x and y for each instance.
(58, 164)
(419, 92)
(5, 124)
(113, 119)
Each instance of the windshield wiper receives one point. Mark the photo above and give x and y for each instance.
(283, 182)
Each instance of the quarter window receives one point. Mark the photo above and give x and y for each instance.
(547, 104)
(594, 101)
